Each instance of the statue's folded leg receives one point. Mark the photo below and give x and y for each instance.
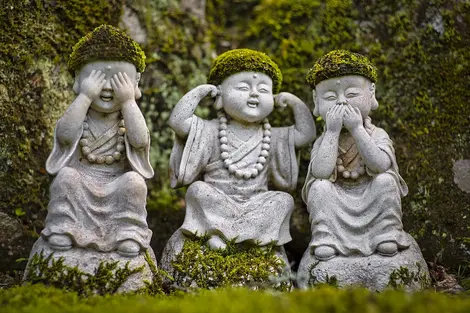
(130, 217)
(388, 186)
(319, 204)
(61, 219)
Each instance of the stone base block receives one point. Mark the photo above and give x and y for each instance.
(406, 269)
(87, 260)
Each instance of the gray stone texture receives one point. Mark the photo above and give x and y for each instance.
(372, 272)
(87, 260)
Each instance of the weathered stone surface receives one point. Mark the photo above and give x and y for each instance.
(462, 174)
(10, 229)
(88, 260)
(372, 272)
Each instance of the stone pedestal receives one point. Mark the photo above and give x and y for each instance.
(89, 260)
(406, 269)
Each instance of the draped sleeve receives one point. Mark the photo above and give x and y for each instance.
(61, 154)
(190, 156)
(309, 179)
(140, 158)
(385, 144)
(283, 161)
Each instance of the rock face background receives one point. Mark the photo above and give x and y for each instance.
(420, 48)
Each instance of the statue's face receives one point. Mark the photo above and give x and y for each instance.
(247, 97)
(105, 102)
(358, 91)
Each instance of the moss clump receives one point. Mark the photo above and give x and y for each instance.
(199, 266)
(106, 43)
(244, 60)
(340, 63)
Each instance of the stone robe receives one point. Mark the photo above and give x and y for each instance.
(355, 216)
(98, 205)
(218, 203)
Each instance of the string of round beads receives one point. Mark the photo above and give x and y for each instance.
(350, 174)
(224, 155)
(103, 158)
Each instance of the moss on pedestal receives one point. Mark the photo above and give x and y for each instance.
(256, 267)
(107, 278)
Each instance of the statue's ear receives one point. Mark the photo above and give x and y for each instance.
(375, 103)
(316, 111)
(137, 92)
(76, 85)
(218, 104)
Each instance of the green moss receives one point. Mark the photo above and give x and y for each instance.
(106, 280)
(50, 271)
(156, 286)
(106, 43)
(38, 298)
(403, 277)
(340, 63)
(199, 266)
(244, 60)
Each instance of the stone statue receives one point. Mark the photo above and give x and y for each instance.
(100, 158)
(353, 188)
(229, 161)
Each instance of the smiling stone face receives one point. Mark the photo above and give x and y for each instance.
(106, 102)
(247, 96)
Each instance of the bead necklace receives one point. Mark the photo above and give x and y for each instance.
(224, 155)
(103, 158)
(360, 170)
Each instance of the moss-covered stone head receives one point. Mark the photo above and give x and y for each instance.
(106, 43)
(343, 77)
(341, 63)
(244, 60)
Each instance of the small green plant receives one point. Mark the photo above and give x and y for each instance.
(403, 277)
(313, 279)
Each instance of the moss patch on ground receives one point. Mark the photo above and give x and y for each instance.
(38, 298)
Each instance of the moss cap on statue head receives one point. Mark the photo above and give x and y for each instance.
(340, 63)
(106, 43)
(244, 60)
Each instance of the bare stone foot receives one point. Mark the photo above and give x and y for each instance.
(128, 248)
(388, 248)
(60, 242)
(216, 243)
(324, 253)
